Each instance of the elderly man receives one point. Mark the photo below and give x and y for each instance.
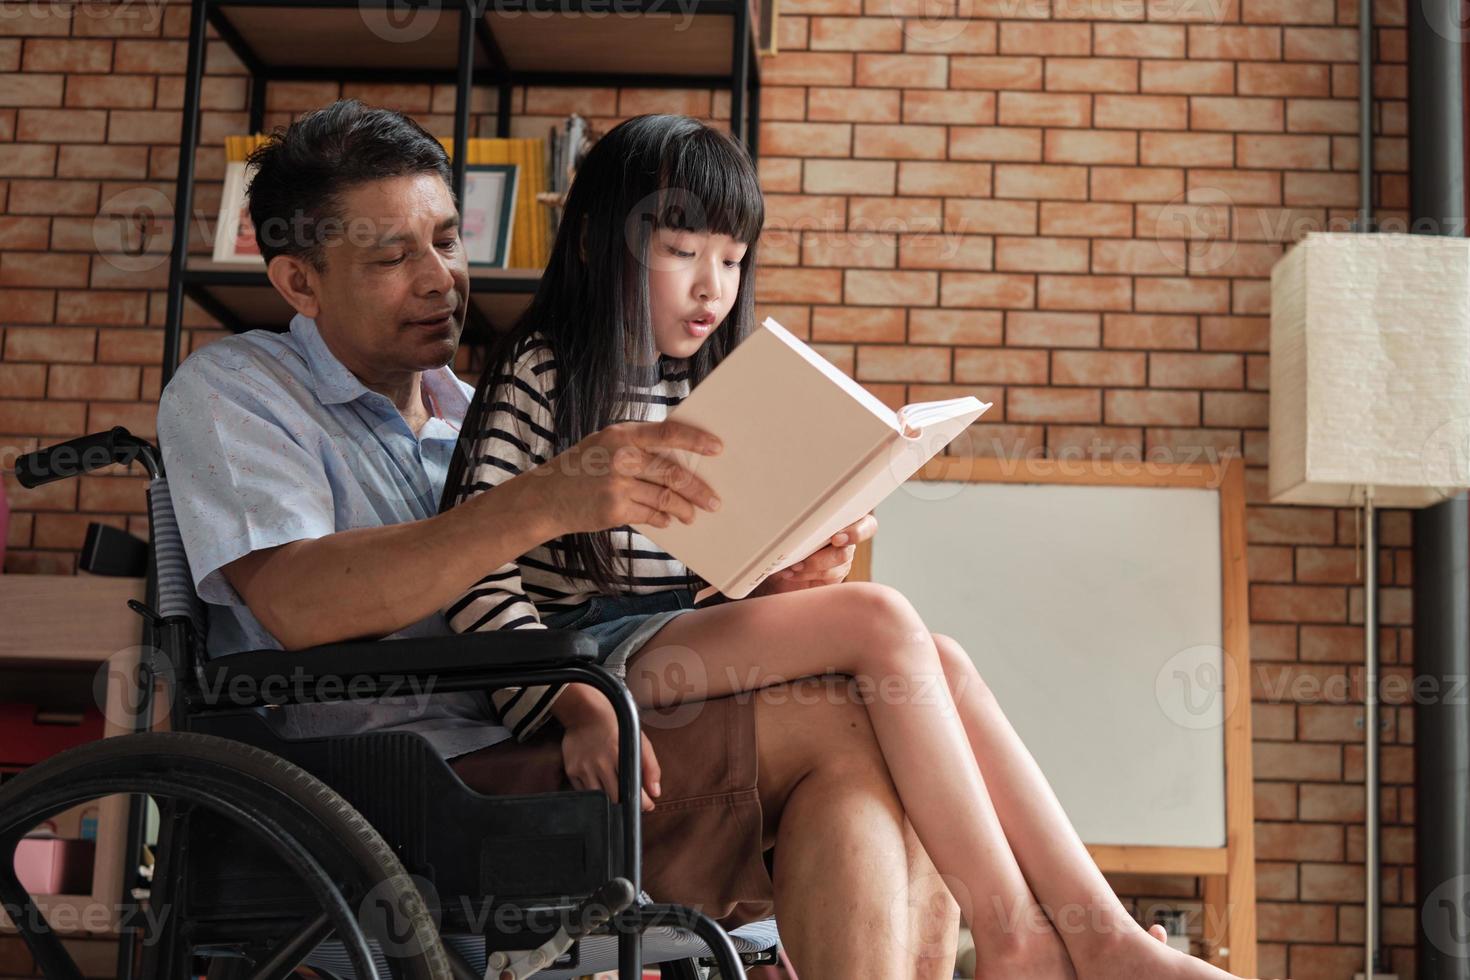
(306, 468)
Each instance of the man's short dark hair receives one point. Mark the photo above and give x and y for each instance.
(302, 172)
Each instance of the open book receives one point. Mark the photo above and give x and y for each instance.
(807, 451)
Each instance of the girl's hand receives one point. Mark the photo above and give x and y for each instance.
(827, 566)
(621, 475)
(589, 754)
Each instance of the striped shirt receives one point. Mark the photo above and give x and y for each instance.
(517, 434)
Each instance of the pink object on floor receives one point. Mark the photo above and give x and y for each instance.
(54, 866)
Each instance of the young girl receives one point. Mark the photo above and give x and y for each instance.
(648, 288)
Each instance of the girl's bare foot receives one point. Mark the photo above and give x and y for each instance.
(1130, 955)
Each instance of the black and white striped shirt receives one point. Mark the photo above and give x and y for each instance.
(516, 434)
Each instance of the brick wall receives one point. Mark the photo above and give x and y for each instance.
(1067, 207)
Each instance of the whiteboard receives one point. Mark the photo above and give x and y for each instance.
(1095, 615)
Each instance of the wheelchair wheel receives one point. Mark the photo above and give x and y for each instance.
(346, 865)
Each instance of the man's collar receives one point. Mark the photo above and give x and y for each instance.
(336, 385)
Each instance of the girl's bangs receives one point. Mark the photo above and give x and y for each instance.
(709, 185)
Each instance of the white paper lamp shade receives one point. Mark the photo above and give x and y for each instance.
(1370, 370)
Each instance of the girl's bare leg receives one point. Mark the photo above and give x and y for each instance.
(872, 634)
(1103, 939)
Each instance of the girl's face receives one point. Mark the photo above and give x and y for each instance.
(692, 281)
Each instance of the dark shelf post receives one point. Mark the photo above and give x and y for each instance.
(464, 79)
(740, 69)
(184, 190)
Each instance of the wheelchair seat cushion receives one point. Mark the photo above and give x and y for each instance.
(702, 843)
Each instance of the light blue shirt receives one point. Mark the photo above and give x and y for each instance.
(267, 438)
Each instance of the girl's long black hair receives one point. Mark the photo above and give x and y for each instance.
(648, 173)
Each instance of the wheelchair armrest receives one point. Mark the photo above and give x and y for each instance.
(382, 668)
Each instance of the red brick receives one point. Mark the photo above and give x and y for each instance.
(130, 347)
(42, 269)
(848, 249)
(900, 142)
(63, 126)
(1149, 332)
(1043, 109)
(1300, 923)
(1298, 603)
(27, 306)
(856, 34)
(47, 55)
(1326, 44)
(1111, 370)
(1284, 152)
(961, 252)
(1211, 11)
(1330, 190)
(858, 324)
(1138, 40)
(1332, 804)
(903, 363)
(1010, 367)
(146, 126)
(1284, 12)
(1052, 329)
(1139, 257)
(1330, 723)
(27, 160)
(1041, 182)
(805, 212)
(93, 382)
(961, 108)
(882, 288)
(808, 68)
(987, 290)
(1189, 77)
(1045, 38)
(1092, 441)
(925, 34)
(1151, 408)
(1140, 112)
(902, 70)
(990, 217)
(994, 143)
(1091, 74)
(901, 214)
(806, 139)
(23, 381)
(783, 103)
(1053, 405)
(852, 105)
(1285, 80)
(42, 418)
(1269, 565)
(24, 234)
(1237, 115)
(1321, 116)
(1230, 43)
(1031, 254)
(1137, 183)
(124, 20)
(849, 177)
(1099, 220)
(1186, 149)
(799, 286)
(1005, 74)
(978, 327)
(1084, 292)
(1235, 187)
(31, 90)
(1195, 371)
(1090, 146)
(110, 92)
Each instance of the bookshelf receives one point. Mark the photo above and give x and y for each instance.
(60, 631)
(499, 43)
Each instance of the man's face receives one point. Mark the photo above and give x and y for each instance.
(396, 285)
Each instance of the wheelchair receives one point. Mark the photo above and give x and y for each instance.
(363, 856)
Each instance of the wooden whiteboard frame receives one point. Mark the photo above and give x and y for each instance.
(1229, 872)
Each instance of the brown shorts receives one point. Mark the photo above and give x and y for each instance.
(702, 841)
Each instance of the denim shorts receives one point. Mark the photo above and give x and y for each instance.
(621, 624)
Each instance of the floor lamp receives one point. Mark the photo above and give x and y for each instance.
(1370, 408)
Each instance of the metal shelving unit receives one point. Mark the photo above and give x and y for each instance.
(504, 43)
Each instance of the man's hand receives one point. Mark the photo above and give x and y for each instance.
(621, 475)
(826, 566)
(589, 749)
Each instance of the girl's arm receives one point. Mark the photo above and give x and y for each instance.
(517, 436)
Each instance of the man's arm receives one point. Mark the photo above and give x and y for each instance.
(368, 582)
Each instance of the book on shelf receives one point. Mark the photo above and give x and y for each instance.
(807, 451)
(234, 234)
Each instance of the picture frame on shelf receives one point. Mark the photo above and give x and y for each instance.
(486, 217)
(234, 235)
